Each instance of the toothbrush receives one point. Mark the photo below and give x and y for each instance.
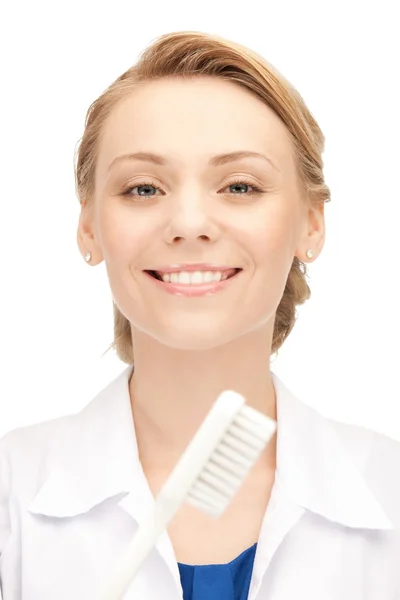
(207, 476)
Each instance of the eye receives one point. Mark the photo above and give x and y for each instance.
(245, 183)
(143, 186)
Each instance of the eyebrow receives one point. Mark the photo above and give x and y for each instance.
(215, 161)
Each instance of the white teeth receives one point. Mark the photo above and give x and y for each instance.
(195, 277)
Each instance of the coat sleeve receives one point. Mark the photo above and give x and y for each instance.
(5, 525)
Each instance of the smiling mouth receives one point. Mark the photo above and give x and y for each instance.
(157, 276)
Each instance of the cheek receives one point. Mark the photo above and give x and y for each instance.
(270, 240)
(123, 237)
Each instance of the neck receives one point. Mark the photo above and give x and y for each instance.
(172, 391)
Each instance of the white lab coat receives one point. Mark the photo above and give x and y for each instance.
(72, 492)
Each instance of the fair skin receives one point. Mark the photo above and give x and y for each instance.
(188, 350)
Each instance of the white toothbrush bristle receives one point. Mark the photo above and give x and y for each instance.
(238, 450)
(246, 437)
(215, 469)
(240, 446)
(228, 464)
(234, 456)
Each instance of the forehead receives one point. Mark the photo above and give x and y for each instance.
(190, 120)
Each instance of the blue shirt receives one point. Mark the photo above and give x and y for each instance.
(229, 581)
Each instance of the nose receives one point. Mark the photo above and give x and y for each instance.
(192, 221)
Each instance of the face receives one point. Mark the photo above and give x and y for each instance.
(189, 207)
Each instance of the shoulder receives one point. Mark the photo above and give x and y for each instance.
(371, 450)
(26, 449)
(24, 453)
(29, 444)
(377, 456)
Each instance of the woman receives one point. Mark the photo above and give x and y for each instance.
(201, 185)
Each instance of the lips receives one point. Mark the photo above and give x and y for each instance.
(193, 288)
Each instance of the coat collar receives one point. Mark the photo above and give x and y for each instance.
(97, 458)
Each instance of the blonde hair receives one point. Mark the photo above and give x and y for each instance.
(190, 54)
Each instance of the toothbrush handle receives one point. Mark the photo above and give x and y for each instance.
(138, 549)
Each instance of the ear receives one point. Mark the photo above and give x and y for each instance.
(86, 234)
(314, 232)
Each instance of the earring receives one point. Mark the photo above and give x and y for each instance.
(88, 256)
(310, 253)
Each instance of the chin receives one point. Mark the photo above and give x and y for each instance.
(195, 338)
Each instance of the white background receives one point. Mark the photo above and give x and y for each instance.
(56, 311)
